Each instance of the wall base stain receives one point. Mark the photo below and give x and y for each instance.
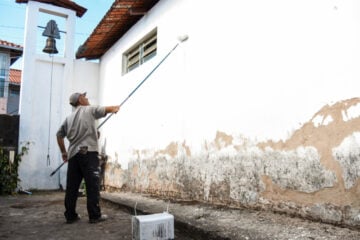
(314, 174)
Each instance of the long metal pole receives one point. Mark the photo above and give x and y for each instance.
(57, 169)
(140, 84)
(137, 87)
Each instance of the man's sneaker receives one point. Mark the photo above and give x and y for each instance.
(69, 221)
(100, 219)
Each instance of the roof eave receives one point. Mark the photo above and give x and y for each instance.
(121, 16)
(80, 11)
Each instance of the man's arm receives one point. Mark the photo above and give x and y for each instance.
(61, 144)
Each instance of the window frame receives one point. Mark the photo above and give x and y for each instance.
(140, 52)
(4, 71)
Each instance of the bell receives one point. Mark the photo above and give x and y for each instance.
(50, 46)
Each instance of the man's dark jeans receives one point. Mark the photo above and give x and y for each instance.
(83, 166)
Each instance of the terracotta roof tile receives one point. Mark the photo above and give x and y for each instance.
(7, 44)
(15, 50)
(15, 76)
(121, 16)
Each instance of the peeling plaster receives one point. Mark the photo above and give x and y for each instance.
(352, 112)
(222, 140)
(348, 155)
(171, 149)
(324, 138)
(298, 170)
(321, 120)
(310, 173)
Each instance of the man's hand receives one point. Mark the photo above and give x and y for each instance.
(112, 109)
(64, 156)
(116, 108)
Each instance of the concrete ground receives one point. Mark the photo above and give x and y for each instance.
(40, 216)
(206, 222)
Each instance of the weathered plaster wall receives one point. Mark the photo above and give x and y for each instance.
(257, 108)
(315, 173)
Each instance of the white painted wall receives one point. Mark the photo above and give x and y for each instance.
(254, 68)
(44, 98)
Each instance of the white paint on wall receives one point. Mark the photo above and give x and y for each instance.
(86, 79)
(254, 68)
(321, 120)
(351, 113)
(318, 120)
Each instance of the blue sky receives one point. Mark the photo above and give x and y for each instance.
(12, 21)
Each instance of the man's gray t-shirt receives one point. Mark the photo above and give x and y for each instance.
(79, 128)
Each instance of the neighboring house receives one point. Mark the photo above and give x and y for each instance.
(258, 108)
(9, 79)
(14, 91)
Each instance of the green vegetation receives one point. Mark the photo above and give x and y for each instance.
(9, 177)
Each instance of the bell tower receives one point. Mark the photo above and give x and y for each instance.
(47, 77)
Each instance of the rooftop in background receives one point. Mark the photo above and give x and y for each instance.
(15, 76)
(16, 50)
(61, 3)
(122, 15)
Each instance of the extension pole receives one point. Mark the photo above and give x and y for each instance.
(57, 169)
(181, 39)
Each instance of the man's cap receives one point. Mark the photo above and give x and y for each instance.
(74, 98)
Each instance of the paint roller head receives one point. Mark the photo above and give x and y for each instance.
(183, 38)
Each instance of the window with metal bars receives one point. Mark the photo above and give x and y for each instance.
(141, 52)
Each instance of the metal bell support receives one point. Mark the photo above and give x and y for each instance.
(51, 31)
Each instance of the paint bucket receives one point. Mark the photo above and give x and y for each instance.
(159, 226)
